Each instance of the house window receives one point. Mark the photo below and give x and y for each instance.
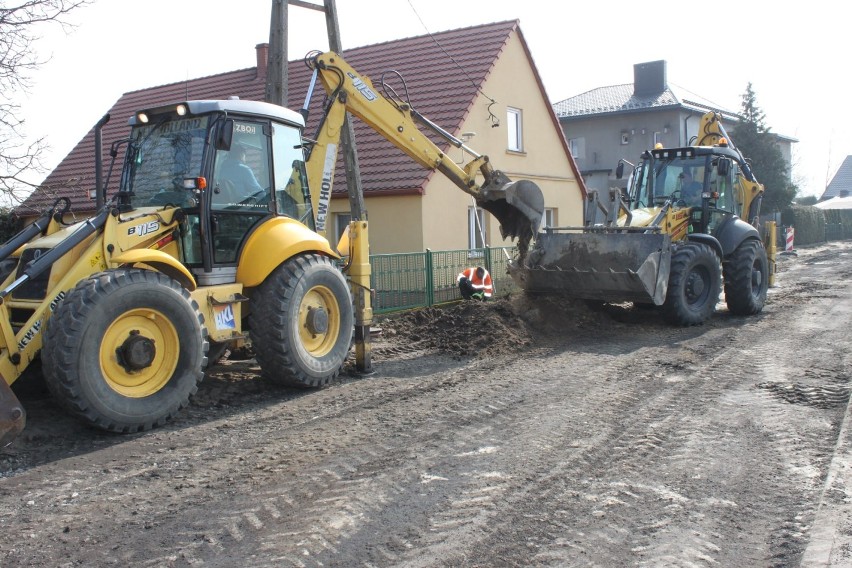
(549, 218)
(658, 138)
(515, 128)
(475, 228)
(577, 147)
(341, 221)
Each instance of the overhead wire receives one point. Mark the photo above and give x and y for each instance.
(495, 122)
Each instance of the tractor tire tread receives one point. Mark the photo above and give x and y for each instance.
(739, 288)
(62, 339)
(270, 319)
(676, 309)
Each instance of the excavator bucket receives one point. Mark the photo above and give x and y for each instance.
(518, 207)
(12, 415)
(607, 266)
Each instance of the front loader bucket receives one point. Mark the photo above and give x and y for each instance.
(518, 207)
(12, 415)
(612, 267)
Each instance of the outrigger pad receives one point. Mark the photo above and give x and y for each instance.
(12, 415)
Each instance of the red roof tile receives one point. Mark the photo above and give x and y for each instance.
(443, 76)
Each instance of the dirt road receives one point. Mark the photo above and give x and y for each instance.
(571, 437)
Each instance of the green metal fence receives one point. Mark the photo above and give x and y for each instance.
(419, 279)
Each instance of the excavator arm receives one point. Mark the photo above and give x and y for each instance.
(711, 132)
(518, 206)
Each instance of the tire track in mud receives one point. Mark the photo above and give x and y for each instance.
(683, 448)
(806, 450)
(360, 486)
(701, 529)
(333, 508)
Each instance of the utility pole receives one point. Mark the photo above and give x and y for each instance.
(277, 73)
(359, 270)
(359, 265)
(347, 136)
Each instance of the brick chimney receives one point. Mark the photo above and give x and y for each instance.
(649, 78)
(262, 52)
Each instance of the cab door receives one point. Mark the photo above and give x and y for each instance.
(240, 194)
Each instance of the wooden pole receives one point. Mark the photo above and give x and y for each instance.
(277, 77)
(359, 266)
(347, 136)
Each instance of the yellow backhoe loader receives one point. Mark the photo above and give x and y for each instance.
(668, 242)
(213, 239)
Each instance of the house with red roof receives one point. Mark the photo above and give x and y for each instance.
(478, 83)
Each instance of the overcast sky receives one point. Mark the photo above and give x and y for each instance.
(795, 55)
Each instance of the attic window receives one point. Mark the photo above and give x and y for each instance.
(514, 125)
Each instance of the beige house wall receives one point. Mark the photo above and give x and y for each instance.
(544, 159)
(395, 223)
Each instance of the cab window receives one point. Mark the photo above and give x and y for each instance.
(292, 195)
(241, 174)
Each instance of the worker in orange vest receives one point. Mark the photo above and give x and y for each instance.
(475, 283)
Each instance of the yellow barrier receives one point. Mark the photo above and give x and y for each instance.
(771, 241)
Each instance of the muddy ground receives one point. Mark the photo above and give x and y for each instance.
(508, 433)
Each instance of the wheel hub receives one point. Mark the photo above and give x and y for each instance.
(756, 279)
(316, 320)
(695, 286)
(136, 353)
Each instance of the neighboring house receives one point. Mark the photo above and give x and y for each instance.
(618, 122)
(478, 83)
(841, 183)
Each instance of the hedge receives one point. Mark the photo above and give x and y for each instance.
(810, 222)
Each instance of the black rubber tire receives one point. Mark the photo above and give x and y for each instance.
(746, 279)
(80, 358)
(281, 308)
(695, 281)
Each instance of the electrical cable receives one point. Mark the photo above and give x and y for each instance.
(495, 122)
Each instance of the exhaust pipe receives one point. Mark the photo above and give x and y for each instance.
(100, 193)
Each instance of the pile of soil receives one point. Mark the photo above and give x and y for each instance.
(482, 329)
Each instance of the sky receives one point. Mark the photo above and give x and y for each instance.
(793, 54)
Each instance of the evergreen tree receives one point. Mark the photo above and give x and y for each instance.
(757, 143)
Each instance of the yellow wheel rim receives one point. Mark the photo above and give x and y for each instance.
(139, 352)
(319, 321)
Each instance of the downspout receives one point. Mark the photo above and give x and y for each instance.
(685, 141)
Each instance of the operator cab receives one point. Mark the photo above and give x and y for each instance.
(229, 164)
(700, 178)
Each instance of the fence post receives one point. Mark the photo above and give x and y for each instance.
(430, 279)
(488, 259)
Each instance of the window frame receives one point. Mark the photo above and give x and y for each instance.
(473, 234)
(514, 125)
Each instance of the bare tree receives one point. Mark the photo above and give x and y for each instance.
(18, 26)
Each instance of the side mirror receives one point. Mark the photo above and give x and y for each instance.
(225, 135)
(619, 170)
(723, 168)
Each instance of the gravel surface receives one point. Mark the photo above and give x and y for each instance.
(515, 432)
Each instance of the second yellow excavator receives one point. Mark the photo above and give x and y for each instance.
(688, 221)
